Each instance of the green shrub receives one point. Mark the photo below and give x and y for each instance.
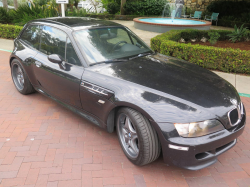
(5, 16)
(227, 60)
(41, 2)
(229, 8)
(113, 8)
(9, 31)
(230, 12)
(229, 23)
(238, 34)
(186, 34)
(189, 11)
(144, 7)
(244, 17)
(25, 14)
(106, 2)
(214, 36)
(82, 12)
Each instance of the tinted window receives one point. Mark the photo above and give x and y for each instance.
(31, 36)
(71, 56)
(53, 41)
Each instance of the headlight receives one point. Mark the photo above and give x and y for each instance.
(198, 128)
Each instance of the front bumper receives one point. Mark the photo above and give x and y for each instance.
(202, 151)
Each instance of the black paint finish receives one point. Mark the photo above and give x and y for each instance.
(168, 89)
(164, 89)
(59, 80)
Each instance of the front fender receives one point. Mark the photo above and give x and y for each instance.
(161, 107)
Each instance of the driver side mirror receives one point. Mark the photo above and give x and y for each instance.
(55, 58)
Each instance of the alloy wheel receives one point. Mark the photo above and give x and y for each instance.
(128, 136)
(18, 76)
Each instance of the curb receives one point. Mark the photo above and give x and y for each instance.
(244, 95)
(6, 50)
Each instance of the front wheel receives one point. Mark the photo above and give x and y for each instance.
(137, 137)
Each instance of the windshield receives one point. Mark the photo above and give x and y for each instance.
(105, 44)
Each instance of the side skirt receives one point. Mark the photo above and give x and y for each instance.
(82, 113)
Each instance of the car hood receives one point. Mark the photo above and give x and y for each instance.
(179, 80)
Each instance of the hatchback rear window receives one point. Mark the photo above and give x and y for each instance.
(31, 36)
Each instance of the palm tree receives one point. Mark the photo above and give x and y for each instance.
(95, 4)
(15, 4)
(5, 4)
(122, 3)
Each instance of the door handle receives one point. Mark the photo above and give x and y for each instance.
(38, 64)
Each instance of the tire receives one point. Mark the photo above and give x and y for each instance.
(146, 147)
(20, 78)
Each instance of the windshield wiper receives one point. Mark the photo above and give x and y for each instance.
(141, 55)
(110, 61)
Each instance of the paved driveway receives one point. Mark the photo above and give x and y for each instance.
(44, 144)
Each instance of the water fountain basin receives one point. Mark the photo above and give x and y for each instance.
(162, 25)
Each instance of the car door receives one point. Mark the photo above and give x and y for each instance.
(61, 81)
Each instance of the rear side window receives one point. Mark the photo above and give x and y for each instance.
(53, 41)
(31, 36)
(71, 56)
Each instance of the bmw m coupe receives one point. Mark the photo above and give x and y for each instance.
(104, 72)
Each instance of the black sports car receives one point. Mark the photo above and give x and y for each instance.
(105, 73)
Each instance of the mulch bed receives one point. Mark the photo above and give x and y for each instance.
(227, 44)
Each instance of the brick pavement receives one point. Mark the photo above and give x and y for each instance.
(44, 144)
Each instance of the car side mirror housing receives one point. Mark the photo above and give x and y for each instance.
(55, 58)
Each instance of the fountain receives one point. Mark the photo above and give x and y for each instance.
(173, 10)
(171, 19)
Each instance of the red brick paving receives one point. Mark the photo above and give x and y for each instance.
(51, 146)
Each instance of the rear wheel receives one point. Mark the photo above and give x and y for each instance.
(137, 137)
(20, 78)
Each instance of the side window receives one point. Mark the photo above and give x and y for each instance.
(31, 36)
(53, 41)
(71, 56)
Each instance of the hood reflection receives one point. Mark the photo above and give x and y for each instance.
(151, 97)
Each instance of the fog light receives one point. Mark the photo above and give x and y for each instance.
(178, 147)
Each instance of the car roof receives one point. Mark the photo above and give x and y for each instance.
(77, 23)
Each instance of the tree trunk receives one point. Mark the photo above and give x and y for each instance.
(122, 3)
(5, 4)
(15, 4)
(76, 4)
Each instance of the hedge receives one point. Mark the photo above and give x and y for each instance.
(231, 23)
(214, 58)
(9, 31)
(144, 7)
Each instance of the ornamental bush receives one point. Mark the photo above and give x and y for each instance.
(214, 58)
(113, 7)
(5, 16)
(9, 31)
(214, 36)
(25, 14)
(229, 8)
(230, 12)
(144, 7)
